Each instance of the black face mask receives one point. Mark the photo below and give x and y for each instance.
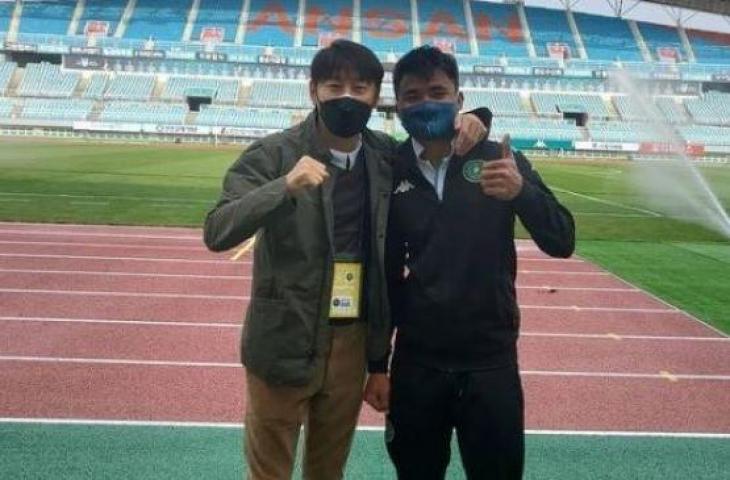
(345, 116)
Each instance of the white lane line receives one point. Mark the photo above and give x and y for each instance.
(576, 308)
(100, 321)
(578, 289)
(47, 233)
(607, 202)
(171, 363)
(361, 428)
(112, 197)
(613, 336)
(120, 246)
(553, 260)
(612, 215)
(125, 274)
(559, 272)
(123, 294)
(660, 375)
(89, 203)
(71, 228)
(237, 326)
(126, 259)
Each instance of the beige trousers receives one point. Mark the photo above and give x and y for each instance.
(328, 408)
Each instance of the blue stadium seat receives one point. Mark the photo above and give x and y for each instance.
(280, 94)
(178, 88)
(109, 11)
(159, 113)
(6, 73)
(95, 88)
(270, 119)
(713, 108)
(622, 132)
(607, 38)
(130, 87)
(706, 135)
(327, 16)
(46, 80)
(498, 30)
(51, 109)
(223, 14)
(6, 107)
(535, 129)
(443, 20)
(658, 36)
(152, 20)
(272, 22)
(6, 13)
(499, 102)
(710, 47)
(556, 103)
(549, 26)
(386, 25)
(49, 17)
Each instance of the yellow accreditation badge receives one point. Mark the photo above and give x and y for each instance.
(346, 290)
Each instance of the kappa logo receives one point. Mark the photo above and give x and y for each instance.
(403, 187)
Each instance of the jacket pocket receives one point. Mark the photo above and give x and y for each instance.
(276, 343)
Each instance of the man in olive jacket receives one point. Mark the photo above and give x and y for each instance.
(316, 197)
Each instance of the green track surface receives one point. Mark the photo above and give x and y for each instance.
(79, 452)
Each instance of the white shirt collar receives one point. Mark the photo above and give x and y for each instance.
(418, 150)
(339, 159)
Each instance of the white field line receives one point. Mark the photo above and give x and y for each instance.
(126, 259)
(123, 294)
(101, 321)
(185, 201)
(51, 233)
(360, 428)
(170, 363)
(607, 202)
(613, 336)
(600, 309)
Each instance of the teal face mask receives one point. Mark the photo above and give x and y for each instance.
(430, 120)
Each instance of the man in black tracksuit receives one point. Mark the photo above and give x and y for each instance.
(451, 260)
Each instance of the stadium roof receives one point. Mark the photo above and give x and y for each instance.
(721, 7)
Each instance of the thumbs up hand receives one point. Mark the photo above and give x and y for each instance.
(501, 178)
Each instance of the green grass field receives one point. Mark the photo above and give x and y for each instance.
(682, 262)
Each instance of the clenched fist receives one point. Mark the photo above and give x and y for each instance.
(307, 173)
(501, 178)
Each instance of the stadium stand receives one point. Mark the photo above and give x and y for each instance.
(710, 47)
(607, 38)
(272, 23)
(54, 109)
(556, 103)
(152, 20)
(713, 108)
(6, 107)
(178, 88)
(327, 18)
(107, 11)
(96, 86)
(549, 26)
(130, 87)
(6, 73)
(386, 25)
(660, 37)
(444, 21)
(673, 111)
(280, 94)
(708, 135)
(46, 80)
(118, 111)
(621, 132)
(6, 13)
(628, 108)
(220, 14)
(500, 102)
(535, 129)
(498, 29)
(48, 17)
(244, 118)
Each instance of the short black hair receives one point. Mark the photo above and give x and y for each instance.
(424, 62)
(343, 57)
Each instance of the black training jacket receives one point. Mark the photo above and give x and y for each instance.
(456, 308)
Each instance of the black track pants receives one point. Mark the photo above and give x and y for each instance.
(485, 407)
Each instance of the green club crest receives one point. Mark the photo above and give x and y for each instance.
(472, 171)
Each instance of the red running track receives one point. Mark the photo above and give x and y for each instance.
(131, 323)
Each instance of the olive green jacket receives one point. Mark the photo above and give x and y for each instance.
(287, 324)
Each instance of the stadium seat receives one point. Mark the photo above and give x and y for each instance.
(108, 11)
(6, 73)
(535, 129)
(554, 103)
(498, 30)
(55, 109)
(607, 38)
(713, 108)
(46, 80)
(503, 103)
(47, 16)
(244, 118)
(549, 26)
(6, 13)
(386, 25)
(6, 107)
(280, 94)
(130, 87)
(660, 36)
(158, 113)
(222, 14)
(710, 47)
(444, 21)
(326, 17)
(272, 22)
(178, 88)
(152, 20)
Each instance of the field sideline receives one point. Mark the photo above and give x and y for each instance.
(60, 182)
